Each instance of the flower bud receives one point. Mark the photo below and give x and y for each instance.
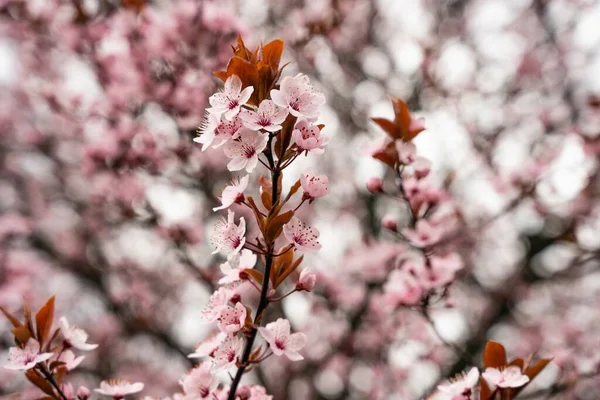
(83, 393)
(307, 281)
(375, 185)
(389, 222)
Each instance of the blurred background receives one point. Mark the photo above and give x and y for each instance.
(106, 202)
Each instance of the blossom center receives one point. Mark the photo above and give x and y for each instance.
(233, 103)
(280, 344)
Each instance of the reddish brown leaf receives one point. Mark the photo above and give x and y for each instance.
(13, 320)
(260, 219)
(22, 334)
(280, 263)
(275, 225)
(532, 371)
(288, 270)
(519, 362)
(494, 355)
(256, 275)
(485, 392)
(44, 319)
(40, 382)
(271, 54)
(295, 187)
(388, 155)
(387, 126)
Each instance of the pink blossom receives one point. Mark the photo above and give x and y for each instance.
(269, 117)
(407, 151)
(233, 193)
(227, 236)
(199, 383)
(27, 357)
(442, 270)
(424, 234)
(230, 100)
(304, 238)
(510, 377)
(299, 97)
(314, 186)
(402, 288)
(281, 341)
(75, 337)
(218, 301)
(71, 362)
(416, 124)
(67, 389)
(244, 152)
(308, 137)
(227, 353)
(209, 345)
(422, 167)
(235, 264)
(389, 222)
(254, 392)
(119, 388)
(217, 132)
(306, 281)
(83, 393)
(232, 319)
(460, 388)
(375, 185)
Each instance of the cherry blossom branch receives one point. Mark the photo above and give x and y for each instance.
(48, 376)
(263, 302)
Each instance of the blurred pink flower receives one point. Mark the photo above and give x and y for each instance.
(424, 234)
(119, 388)
(510, 377)
(227, 353)
(27, 357)
(460, 388)
(235, 264)
(199, 383)
(233, 193)
(75, 337)
(306, 281)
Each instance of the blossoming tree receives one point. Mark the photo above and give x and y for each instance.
(474, 225)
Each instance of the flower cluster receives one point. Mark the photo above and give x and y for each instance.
(257, 119)
(46, 360)
(427, 268)
(502, 378)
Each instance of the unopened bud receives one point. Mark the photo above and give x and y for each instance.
(389, 222)
(83, 393)
(236, 298)
(375, 185)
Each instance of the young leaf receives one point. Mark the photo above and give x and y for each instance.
(288, 270)
(22, 334)
(40, 382)
(13, 320)
(494, 355)
(275, 225)
(44, 319)
(254, 274)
